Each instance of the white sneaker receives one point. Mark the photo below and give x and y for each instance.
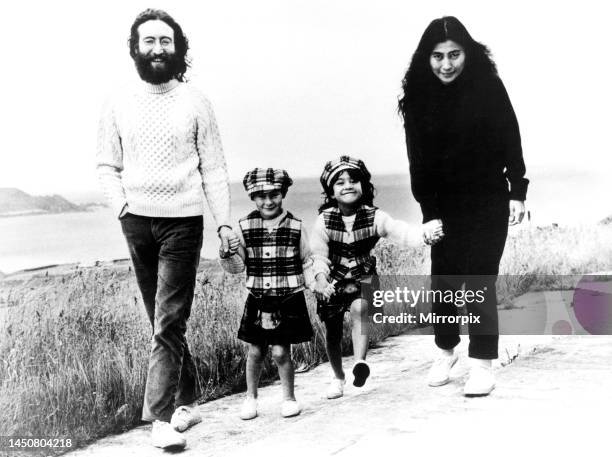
(249, 409)
(336, 388)
(185, 416)
(290, 408)
(164, 436)
(481, 382)
(440, 370)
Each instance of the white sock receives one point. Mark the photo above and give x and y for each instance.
(447, 352)
(482, 363)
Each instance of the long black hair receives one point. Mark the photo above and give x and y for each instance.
(420, 83)
(367, 188)
(181, 44)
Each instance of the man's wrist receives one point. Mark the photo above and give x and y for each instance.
(221, 227)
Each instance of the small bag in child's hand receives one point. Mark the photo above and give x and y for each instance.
(268, 314)
(347, 291)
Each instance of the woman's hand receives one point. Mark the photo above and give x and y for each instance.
(517, 212)
(433, 231)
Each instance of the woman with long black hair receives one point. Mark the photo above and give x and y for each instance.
(467, 173)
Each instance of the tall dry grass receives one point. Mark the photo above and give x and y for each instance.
(74, 349)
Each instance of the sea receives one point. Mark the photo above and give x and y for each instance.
(36, 241)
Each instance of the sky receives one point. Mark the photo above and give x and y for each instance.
(296, 83)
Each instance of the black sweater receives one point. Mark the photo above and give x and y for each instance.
(464, 140)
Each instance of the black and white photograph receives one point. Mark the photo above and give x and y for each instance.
(305, 228)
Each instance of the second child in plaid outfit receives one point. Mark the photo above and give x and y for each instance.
(346, 231)
(275, 253)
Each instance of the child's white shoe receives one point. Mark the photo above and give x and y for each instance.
(164, 436)
(290, 408)
(439, 373)
(481, 380)
(185, 416)
(248, 409)
(335, 388)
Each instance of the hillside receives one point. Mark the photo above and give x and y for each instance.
(16, 202)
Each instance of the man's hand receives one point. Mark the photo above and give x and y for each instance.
(433, 231)
(229, 240)
(517, 212)
(323, 290)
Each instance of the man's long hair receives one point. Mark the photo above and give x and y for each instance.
(181, 44)
(419, 83)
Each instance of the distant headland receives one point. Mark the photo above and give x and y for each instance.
(15, 202)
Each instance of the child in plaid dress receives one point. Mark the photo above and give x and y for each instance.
(275, 252)
(344, 234)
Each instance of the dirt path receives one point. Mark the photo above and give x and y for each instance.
(551, 396)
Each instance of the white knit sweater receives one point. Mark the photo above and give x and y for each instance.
(159, 152)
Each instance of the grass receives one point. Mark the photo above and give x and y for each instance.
(74, 348)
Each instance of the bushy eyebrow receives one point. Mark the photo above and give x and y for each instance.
(162, 37)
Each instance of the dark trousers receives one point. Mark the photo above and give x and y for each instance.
(475, 230)
(166, 253)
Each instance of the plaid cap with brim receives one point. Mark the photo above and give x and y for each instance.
(264, 179)
(333, 167)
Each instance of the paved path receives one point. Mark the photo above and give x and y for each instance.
(553, 397)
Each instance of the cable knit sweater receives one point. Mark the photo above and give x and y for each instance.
(159, 152)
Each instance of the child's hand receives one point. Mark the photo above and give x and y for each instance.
(229, 240)
(225, 254)
(323, 289)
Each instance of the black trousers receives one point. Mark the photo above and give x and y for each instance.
(468, 256)
(166, 253)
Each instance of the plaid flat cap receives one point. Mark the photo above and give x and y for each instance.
(259, 179)
(333, 167)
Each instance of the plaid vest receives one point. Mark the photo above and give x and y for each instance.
(350, 252)
(273, 262)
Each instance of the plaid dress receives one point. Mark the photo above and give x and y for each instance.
(275, 311)
(350, 252)
(273, 262)
(352, 265)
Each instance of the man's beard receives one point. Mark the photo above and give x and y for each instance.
(148, 71)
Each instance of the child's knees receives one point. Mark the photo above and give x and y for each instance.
(281, 354)
(256, 353)
(359, 308)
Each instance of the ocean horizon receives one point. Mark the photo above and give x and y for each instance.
(87, 237)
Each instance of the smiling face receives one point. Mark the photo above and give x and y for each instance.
(447, 61)
(156, 54)
(347, 191)
(269, 203)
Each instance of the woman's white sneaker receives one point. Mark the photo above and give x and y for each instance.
(481, 382)
(439, 373)
(335, 388)
(164, 436)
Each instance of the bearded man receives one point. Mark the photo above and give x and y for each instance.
(159, 158)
